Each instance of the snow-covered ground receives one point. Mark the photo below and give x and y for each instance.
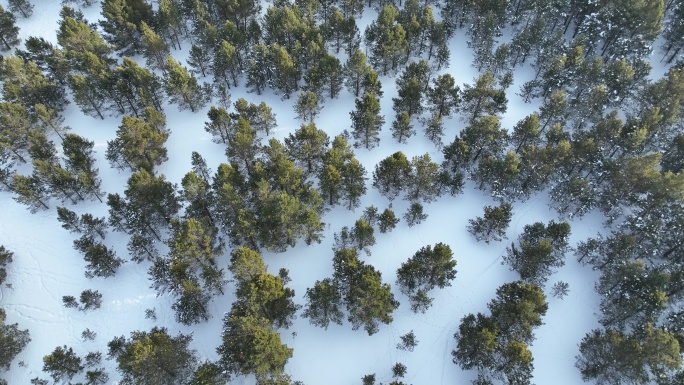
(46, 267)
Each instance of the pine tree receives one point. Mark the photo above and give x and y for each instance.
(387, 221)
(139, 145)
(355, 69)
(492, 226)
(90, 300)
(80, 161)
(199, 60)
(307, 146)
(402, 127)
(183, 88)
(367, 121)
(428, 268)
(415, 215)
(22, 6)
(306, 107)
(226, 65)
(62, 364)
(443, 96)
(422, 182)
(541, 249)
(153, 357)
(323, 304)
(154, 48)
(13, 339)
(9, 32)
(391, 174)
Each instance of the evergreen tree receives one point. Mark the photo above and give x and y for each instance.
(387, 221)
(542, 248)
(632, 294)
(323, 304)
(122, 23)
(402, 127)
(610, 356)
(80, 162)
(429, 267)
(183, 88)
(153, 357)
(226, 65)
(492, 225)
(250, 346)
(355, 69)
(443, 96)
(422, 182)
(154, 48)
(199, 61)
(415, 215)
(13, 339)
(367, 121)
(307, 145)
(90, 300)
(482, 98)
(102, 261)
(62, 364)
(307, 107)
(139, 145)
(391, 174)
(21, 6)
(9, 32)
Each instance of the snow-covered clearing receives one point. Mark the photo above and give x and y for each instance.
(46, 267)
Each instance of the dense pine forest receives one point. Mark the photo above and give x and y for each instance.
(606, 140)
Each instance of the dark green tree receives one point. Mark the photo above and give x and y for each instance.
(391, 174)
(13, 339)
(62, 364)
(307, 145)
(428, 268)
(402, 128)
(153, 357)
(493, 224)
(367, 121)
(387, 221)
(183, 88)
(541, 249)
(9, 31)
(139, 145)
(306, 107)
(415, 215)
(21, 6)
(324, 303)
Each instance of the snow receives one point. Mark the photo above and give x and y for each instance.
(46, 267)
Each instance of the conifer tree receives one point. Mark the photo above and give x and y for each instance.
(21, 6)
(9, 32)
(367, 121)
(492, 226)
(183, 88)
(139, 145)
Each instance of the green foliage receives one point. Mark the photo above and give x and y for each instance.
(408, 342)
(492, 225)
(610, 356)
(154, 357)
(541, 249)
(13, 339)
(323, 304)
(250, 346)
(139, 145)
(183, 88)
(415, 214)
(62, 364)
(428, 268)
(5, 259)
(8, 30)
(367, 121)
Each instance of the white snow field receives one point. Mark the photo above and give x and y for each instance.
(46, 267)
